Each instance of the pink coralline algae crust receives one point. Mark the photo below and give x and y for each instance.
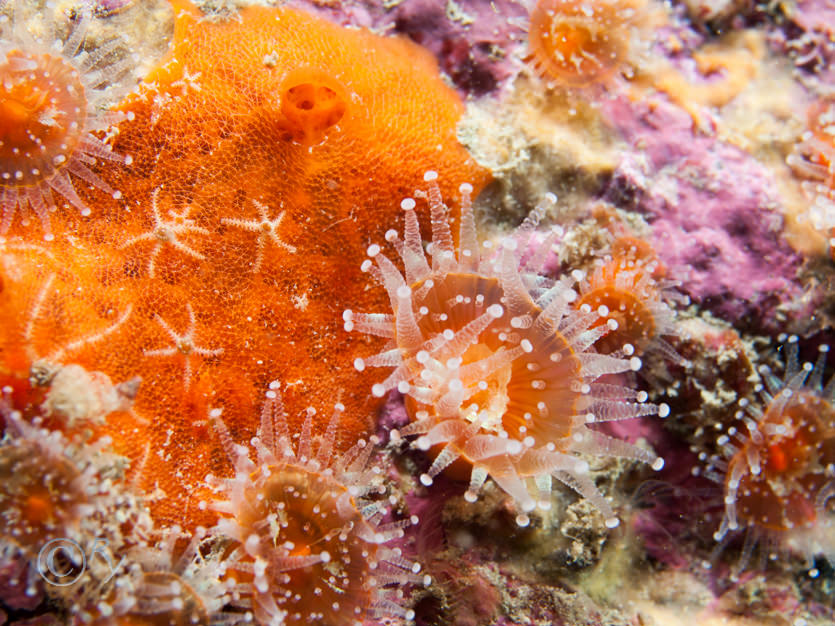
(808, 38)
(664, 508)
(467, 47)
(47, 619)
(476, 44)
(462, 594)
(815, 15)
(678, 38)
(107, 7)
(429, 534)
(392, 416)
(354, 13)
(713, 211)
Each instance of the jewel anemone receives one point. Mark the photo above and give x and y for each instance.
(53, 98)
(57, 494)
(49, 484)
(576, 43)
(162, 583)
(498, 367)
(777, 465)
(625, 289)
(308, 542)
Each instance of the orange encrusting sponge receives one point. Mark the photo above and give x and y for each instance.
(267, 153)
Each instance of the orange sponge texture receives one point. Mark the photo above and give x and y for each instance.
(267, 153)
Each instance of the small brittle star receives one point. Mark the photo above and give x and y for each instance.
(189, 81)
(266, 229)
(183, 344)
(36, 311)
(168, 232)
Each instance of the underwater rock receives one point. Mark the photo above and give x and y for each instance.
(714, 213)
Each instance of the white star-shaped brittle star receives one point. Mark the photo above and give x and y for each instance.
(168, 232)
(189, 81)
(266, 229)
(183, 344)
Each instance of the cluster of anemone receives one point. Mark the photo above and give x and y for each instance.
(309, 540)
(60, 497)
(498, 366)
(72, 524)
(54, 93)
(502, 367)
(164, 583)
(814, 159)
(776, 466)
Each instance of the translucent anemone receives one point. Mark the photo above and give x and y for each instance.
(498, 367)
(309, 545)
(162, 582)
(59, 496)
(576, 43)
(777, 466)
(814, 159)
(53, 95)
(628, 292)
